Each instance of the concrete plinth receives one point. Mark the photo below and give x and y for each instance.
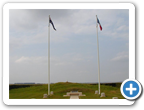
(96, 92)
(74, 95)
(45, 96)
(102, 94)
(51, 93)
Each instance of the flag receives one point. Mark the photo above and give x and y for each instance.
(50, 21)
(99, 24)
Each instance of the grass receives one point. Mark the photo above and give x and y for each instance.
(60, 89)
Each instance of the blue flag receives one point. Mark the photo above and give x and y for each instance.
(52, 23)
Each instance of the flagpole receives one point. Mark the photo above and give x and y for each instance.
(49, 57)
(98, 55)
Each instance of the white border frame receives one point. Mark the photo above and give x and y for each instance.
(8, 6)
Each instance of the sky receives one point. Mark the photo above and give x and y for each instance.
(73, 46)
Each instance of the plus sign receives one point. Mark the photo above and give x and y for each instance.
(131, 89)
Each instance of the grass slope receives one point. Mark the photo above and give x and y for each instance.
(60, 89)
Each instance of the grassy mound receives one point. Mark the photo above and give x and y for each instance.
(60, 89)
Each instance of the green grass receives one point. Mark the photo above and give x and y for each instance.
(60, 89)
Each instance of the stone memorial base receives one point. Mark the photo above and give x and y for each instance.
(96, 92)
(45, 96)
(74, 94)
(51, 93)
(102, 94)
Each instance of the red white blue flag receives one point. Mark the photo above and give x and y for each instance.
(99, 24)
(52, 23)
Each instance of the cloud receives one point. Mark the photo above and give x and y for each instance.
(123, 28)
(21, 20)
(37, 60)
(73, 45)
(115, 24)
(22, 59)
(66, 59)
(31, 26)
(31, 19)
(122, 56)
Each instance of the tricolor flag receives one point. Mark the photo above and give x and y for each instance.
(52, 23)
(99, 24)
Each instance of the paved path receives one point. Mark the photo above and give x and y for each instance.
(74, 97)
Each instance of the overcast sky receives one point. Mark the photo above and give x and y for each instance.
(73, 46)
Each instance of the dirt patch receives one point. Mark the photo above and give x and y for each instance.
(113, 92)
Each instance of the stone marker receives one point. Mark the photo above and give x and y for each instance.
(51, 93)
(45, 96)
(115, 98)
(102, 94)
(74, 94)
(96, 92)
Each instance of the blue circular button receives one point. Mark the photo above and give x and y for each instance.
(131, 89)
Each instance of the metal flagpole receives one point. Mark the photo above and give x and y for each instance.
(49, 57)
(98, 55)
